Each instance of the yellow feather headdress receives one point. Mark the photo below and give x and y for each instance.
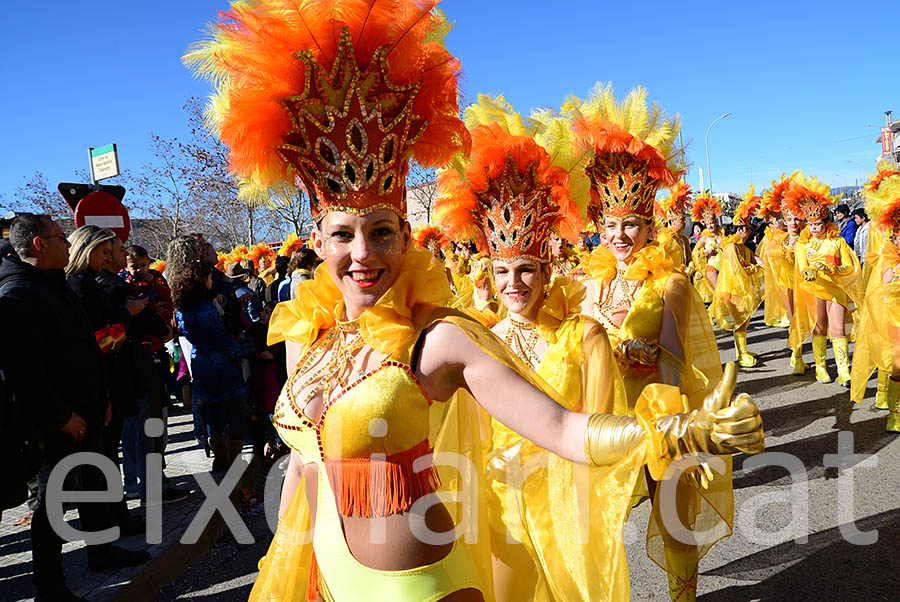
(882, 193)
(632, 150)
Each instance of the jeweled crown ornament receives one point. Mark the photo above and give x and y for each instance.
(336, 94)
(507, 196)
(632, 151)
(808, 196)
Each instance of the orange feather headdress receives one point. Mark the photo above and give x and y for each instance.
(340, 93)
(705, 207)
(508, 197)
(747, 209)
(770, 207)
(261, 255)
(808, 198)
(678, 201)
(632, 151)
(431, 238)
(291, 243)
(882, 193)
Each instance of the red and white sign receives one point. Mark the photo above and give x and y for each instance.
(104, 210)
(887, 140)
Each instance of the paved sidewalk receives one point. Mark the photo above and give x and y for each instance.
(169, 559)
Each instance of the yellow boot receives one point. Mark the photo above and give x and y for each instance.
(820, 346)
(681, 570)
(893, 399)
(842, 359)
(744, 357)
(797, 361)
(881, 400)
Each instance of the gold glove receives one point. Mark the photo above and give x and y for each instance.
(809, 274)
(609, 438)
(637, 351)
(724, 425)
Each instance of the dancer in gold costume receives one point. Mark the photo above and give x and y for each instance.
(878, 340)
(655, 320)
(739, 287)
(829, 287)
(673, 211)
(706, 209)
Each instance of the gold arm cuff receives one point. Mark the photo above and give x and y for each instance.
(608, 438)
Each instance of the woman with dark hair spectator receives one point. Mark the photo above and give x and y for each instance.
(281, 274)
(218, 387)
(300, 268)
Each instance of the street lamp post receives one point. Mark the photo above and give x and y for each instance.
(708, 172)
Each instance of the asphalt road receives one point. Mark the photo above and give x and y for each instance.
(793, 537)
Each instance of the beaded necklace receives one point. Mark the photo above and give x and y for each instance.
(605, 308)
(342, 341)
(522, 338)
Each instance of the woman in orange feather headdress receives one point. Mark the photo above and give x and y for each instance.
(706, 210)
(828, 288)
(379, 410)
(739, 287)
(878, 339)
(672, 211)
(656, 322)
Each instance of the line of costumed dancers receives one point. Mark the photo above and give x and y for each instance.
(480, 428)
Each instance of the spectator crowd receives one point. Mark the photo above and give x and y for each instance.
(104, 344)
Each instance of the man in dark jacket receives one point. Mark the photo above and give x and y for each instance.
(56, 371)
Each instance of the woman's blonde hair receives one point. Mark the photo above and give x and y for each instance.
(84, 240)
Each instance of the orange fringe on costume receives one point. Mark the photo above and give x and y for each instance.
(252, 60)
(367, 487)
(491, 146)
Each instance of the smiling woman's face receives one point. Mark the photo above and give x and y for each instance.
(363, 254)
(520, 285)
(625, 237)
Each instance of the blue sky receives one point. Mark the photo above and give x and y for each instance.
(802, 79)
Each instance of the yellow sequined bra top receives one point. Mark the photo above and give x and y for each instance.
(373, 430)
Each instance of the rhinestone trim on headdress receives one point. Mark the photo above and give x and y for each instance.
(368, 113)
(624, 186)
(516, 214)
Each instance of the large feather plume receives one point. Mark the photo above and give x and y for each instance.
(250, 59)
(882, 193)
(628, 127)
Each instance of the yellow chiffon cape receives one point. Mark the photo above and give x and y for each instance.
(777, 274)
(878, 338)
(739, 287)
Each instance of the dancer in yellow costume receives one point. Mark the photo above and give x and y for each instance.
(433, 239)
(706, 209)
(377, 410)
(739, 287)
(655, 321)
(563, 260)
(786, 276)
(878, 340)
(778, 274)
(829, 287)
(672, 212)
(513, 202)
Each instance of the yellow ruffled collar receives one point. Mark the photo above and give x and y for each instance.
(831, 231)
(387, 326)
(732, 239)
(651, 261)
(563, 302)
(710, 233)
